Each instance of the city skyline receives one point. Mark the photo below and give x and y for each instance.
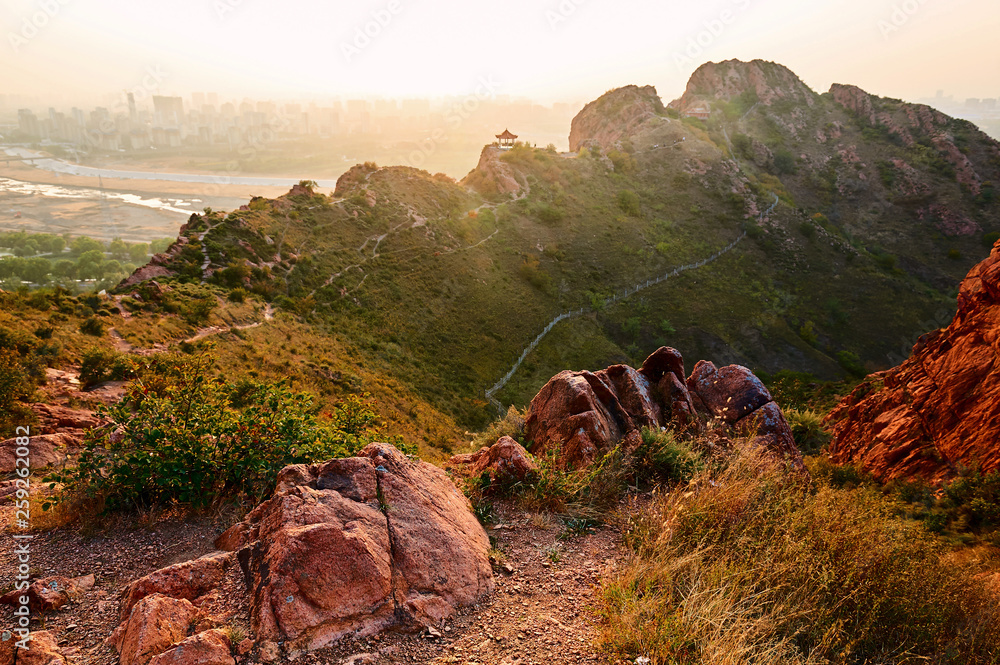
(570, 50)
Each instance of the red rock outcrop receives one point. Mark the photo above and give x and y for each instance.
(50, 593)
(614, 116)
(357, 545)
(42, 650)
(45, 450)
(585, 414)
(154, 625)
(492, 175)
(187, 580)
(53, 418)
(210, 647)
(505, 460)
(731, 78)
(940, 409)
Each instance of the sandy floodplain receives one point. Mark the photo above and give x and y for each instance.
(101, 208)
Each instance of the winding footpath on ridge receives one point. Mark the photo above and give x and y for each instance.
(496, 387)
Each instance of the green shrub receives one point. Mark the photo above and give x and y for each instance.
(990, 239)
(784, 162)
(628, 202)
(237, 295)
(662, 457)
(15, 386)
(807, 429)
(976, 497)
(549, 214)
(181, 435)
(100, 365)
(955, 255)
(92, 326)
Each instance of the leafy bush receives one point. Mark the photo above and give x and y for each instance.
(100, 365)
(784, 162)
(628, 201)
(975, 497)
(549, 214)
(180, 435)
(751, 565)
(15, 386)
(990, 239)
(92, 326)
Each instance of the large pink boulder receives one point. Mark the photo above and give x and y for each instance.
(42, 650)
(187, 580)
(155, 624)
(730, 392)
(210, 647)
(577, 414)
(504, 460)
(360, 545)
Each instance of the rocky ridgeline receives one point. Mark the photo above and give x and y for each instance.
(585, 414)
(939, 411)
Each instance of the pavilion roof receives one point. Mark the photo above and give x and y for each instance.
(506, 135)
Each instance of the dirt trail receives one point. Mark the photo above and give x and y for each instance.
(122, 345)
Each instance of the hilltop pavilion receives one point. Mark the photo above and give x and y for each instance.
(506, 140)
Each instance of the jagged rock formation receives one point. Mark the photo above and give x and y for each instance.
(940, 409)
(768, 82)
(584, 414)
(614, 116)
(358, 545)
(493, 176)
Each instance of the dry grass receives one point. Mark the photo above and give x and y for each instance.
(751, 566)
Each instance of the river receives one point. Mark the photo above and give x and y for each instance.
(60, 166)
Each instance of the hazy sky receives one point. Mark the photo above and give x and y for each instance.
(545, 49)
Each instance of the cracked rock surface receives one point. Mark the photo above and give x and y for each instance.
(358, 545)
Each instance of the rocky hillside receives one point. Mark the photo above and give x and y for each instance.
(939, 411)
(852, 217)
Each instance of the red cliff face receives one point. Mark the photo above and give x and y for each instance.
(614, 116)
(940, 409)
(731, 78)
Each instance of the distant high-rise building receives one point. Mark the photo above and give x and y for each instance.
(213, 98)
(27, 122)
(168, 110)
(972, 103)
(197, 99)
(133, 114)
